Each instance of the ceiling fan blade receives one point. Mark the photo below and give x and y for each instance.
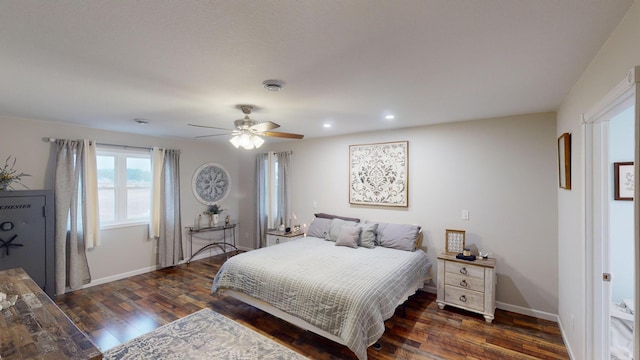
(205, 136)
(264, 126)
(281, 135)
(209, 127)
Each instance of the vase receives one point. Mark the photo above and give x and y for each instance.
(216, 218)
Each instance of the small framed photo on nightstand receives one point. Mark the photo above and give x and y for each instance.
(454, 241)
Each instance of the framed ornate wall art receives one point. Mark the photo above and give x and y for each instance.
(210, 183)
(623, 181)
(564, 161)
(378, 174)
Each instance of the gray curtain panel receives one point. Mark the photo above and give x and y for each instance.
(284, 188)
(262, 163)
(170, 240)
(71, 264)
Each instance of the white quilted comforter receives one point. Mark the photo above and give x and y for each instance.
(344, 291)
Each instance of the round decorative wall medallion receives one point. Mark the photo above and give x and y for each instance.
(210, 183)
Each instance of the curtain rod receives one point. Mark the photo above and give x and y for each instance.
(112, 145)
(290, 152)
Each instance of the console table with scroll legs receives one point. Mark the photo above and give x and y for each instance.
(231, 228)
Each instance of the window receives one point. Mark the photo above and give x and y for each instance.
(270, 190)
(124, 186)
(275, 187)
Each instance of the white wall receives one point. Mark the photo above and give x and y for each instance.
(124, 250)
(502, 170)
(619, 54)
(621, 132)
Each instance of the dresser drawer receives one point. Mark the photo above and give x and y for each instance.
(464, 269)
(464, 282)
(463, 297)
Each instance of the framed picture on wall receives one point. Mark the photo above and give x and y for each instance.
(378, 174)
(564, 160)
(623, 180)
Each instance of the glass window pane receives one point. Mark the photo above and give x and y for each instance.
(106, 187)
(138, 172)
(138, 188)
(106, 198)
(106, 169)
(138, 203)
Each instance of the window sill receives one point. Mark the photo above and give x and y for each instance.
(124, 225)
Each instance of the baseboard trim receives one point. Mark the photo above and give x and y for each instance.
(104, 280)
(525, 311)
(567, 344)
(508, 307)
(125, 275)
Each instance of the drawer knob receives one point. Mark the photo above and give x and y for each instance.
(277, 241)
(463, 271)
(463, 283)
(463, 298)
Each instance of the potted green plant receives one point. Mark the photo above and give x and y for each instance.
(214, 212)
(10, 176)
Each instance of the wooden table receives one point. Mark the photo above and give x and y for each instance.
(35, 328)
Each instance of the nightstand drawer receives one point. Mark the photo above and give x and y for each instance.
(466, 298)
(464, 269)
(274, 238)
(464, 282)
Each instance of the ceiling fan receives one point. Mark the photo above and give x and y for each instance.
(247, 132)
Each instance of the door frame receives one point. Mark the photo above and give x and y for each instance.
(596, 197)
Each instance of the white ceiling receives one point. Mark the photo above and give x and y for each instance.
(103, 63)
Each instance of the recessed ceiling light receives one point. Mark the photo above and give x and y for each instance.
(273, 85)
(141, 121)
(390, 117)
(327, 125)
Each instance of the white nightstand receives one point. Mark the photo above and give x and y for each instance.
(280, 237)
(469, 285)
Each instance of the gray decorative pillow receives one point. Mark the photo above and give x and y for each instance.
(368, 235)
(319, 228)
(335, 227)
(349, 236)
(398, 236)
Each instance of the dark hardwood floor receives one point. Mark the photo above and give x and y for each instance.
(113, 313)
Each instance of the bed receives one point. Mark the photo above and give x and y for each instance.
(342, 293)
(621, 330)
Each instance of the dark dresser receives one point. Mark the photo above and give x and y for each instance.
(27, 235)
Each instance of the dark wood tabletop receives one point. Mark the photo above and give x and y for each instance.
(35, 328)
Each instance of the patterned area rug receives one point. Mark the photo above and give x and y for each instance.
(202, 335)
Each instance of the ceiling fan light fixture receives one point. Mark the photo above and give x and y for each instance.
(247, 141)
(257, 141)
(235, 141)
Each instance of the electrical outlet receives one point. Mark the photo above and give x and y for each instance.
(465, 215)
(573, 323)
